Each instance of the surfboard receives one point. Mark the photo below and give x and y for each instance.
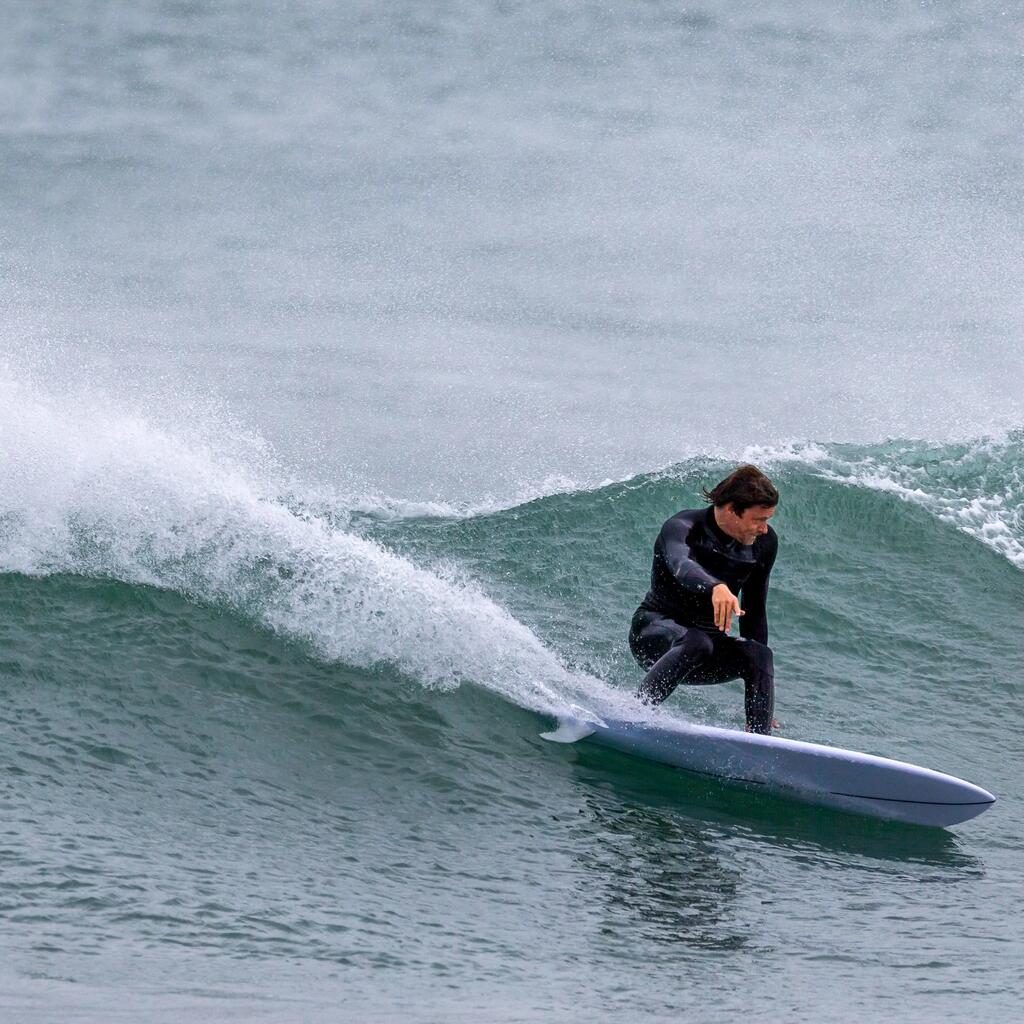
(810, 772)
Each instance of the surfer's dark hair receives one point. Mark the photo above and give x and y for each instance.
(743, 488)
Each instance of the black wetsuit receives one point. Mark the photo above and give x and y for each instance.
(673, 632)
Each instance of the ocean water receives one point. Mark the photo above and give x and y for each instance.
(352, 356)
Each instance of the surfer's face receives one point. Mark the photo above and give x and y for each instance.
(747, 526)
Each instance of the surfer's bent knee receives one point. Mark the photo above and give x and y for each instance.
(696, 643)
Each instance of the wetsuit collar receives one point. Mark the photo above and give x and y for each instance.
(715, 528)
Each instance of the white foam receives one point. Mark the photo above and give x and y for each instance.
(976, 486)
(383, 506)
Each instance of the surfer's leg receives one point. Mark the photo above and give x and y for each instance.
(669, 651)
(735, 658)
(754, 665)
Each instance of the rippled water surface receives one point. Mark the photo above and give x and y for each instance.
(352, 357)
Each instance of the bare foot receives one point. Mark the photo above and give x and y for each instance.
(775, 725)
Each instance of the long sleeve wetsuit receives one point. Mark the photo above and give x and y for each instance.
(673, 632)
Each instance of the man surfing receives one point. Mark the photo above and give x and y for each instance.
(705, 561)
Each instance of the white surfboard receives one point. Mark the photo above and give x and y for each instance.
(809, 772)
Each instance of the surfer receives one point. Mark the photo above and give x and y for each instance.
(705, 560)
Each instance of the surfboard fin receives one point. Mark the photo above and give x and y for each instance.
(569, 731)
(574, 727)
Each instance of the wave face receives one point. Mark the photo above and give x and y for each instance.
(243, 720)
(439, 593)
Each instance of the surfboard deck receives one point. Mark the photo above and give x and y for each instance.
(810, 772)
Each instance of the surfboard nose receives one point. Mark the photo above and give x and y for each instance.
(982, 795)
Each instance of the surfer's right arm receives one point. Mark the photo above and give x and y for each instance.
(675, 551)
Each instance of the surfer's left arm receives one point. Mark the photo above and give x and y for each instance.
(754, 598)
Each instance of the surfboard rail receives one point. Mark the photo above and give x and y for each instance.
(814, 773)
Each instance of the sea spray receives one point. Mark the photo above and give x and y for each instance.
(101, 493)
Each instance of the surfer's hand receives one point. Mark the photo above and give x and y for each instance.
(726, 604)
